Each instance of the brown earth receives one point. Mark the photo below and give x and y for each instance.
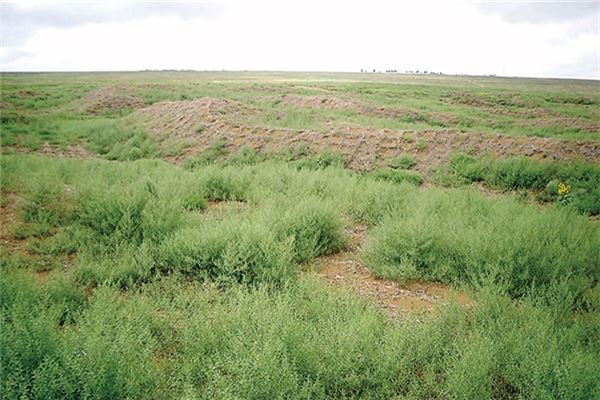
(364, 148)
(9, 218)
(13, 245)
(47, 149)
(346, 270)
(193, 125)
(110, 99)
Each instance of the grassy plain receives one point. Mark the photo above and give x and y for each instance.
(127, 276)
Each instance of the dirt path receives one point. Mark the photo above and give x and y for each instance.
(346, 270)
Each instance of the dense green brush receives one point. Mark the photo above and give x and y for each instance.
(581, 180)
(172, 296)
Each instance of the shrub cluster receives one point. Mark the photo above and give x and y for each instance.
(461, 237)
(174, 295)
(581, 179)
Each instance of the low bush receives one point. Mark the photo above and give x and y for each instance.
(166, 303)
(245, 156)
(214, 152)
(178, 338)
(229, 251)
(403, 161)
(397, 176)
(581, 180)
(44, 202)
(115, 141)
(314, 229)
(323, 159)
(463, 238)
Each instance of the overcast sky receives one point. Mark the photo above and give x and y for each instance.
(514, 38)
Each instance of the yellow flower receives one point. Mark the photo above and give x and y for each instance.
(563, 188)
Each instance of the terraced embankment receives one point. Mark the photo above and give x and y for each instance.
(364, 148)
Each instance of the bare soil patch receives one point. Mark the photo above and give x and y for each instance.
(110, 99)
(217, 206)
(42, 276)
(52, 150)
(9, 218)
(346, 270)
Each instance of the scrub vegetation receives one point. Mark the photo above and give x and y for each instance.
(131, 269)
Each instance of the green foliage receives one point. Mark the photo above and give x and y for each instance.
(44, 203)
(107, 356)
(313, 228)
(179, 339)
(323, 159)
(195, 201)
(421, 145)
(403, 161)
(162, 302)
(215, 151)
(229, 251)
(200, 128)
(397, 176)
(462, 238)
(115, 141)
(516, 173)
(224, 184)
(245, 156)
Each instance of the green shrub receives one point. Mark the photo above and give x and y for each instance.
(228, 252)
(314, 229)
(466, 167)
(113, 215)
(223, 184)
(195, 201)
(397, 176)
(165, 303)
(123, 267)
(210, 155)
(370, 201)
(200, 128)
(323, 159)
(245, 156)
(421, 145)
(115, 141)
(44, 203)
(517, 173)
(464, 238)
(403, 161)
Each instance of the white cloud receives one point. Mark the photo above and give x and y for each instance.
(451, 37)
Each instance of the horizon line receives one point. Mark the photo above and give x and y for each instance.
(365, 72)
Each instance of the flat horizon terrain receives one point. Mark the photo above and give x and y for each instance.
(298, 235)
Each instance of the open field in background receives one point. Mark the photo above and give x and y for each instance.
(297, 235)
